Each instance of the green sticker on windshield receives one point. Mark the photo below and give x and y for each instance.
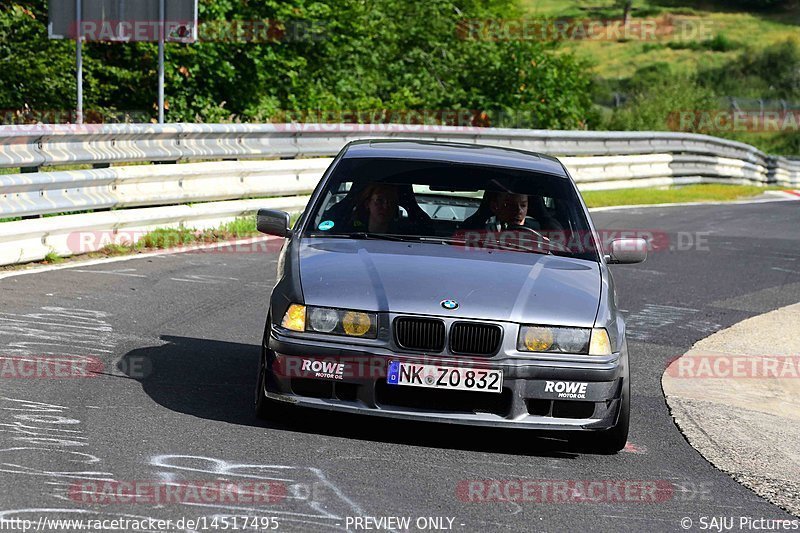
(325, 225)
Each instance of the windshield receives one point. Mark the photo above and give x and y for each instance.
(452, 204)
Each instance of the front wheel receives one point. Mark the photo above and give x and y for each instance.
(614, 439)
(610, 441)
(262, 409)
(267, 409)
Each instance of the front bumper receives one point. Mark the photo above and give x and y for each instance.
(354, 380)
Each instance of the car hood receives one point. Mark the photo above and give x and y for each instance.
(414, 278)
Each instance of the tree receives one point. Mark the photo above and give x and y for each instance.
(626, 6)
(377, 56)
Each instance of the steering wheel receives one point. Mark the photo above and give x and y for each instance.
(541, 238)
(531, 230)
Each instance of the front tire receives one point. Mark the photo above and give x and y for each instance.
(266, 409)
(612, 440)
(262, 409)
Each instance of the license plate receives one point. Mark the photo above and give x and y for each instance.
(444, 377)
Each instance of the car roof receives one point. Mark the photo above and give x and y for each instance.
(473, 154)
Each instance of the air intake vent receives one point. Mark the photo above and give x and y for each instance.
(468, 338)
(419, 334)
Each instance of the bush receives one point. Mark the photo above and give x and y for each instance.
(36, 73)
(766, 4)
(391, 55)
(718, 43)
(721, 43)
(773, 73)
(657, 98)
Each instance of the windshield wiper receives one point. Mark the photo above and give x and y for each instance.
(495, 244)
(504, 245)
(366, 235)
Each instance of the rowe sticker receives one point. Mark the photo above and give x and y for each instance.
(324, 369)
(567, 389)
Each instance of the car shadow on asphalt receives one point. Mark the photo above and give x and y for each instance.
(215, 380)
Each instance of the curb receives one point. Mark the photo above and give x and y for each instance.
(736, 398)
(39, 269)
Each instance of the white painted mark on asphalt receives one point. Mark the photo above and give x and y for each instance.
(642, 324)
(785, 270)
(218, 466)
(702, 326)
(37, 434)
(57, 333)
(6, 317)
(337, 491)
(644, 271)
(26, 348)
(311, 498)
(122, 272)
(202, 278)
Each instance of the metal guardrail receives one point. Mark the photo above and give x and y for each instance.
(298, 157)
(31, 240)
(44, 193)
(36, 145)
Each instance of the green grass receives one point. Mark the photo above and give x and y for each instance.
(162, 238)
(688, 193)
(111, 250)
(713, 33)
(52, 258)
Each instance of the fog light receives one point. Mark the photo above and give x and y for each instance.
(538, 339)
(355, 323)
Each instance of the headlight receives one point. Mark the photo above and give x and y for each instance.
(551, 339)
(329, 320)
(323, 319)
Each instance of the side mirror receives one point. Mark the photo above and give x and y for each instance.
(627, 251)
(273, 222)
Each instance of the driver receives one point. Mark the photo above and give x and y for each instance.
(510, 210)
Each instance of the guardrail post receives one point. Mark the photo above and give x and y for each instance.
(773, 166)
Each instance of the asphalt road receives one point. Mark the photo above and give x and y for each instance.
(178, 337)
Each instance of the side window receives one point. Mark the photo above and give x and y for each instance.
(329, 205)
